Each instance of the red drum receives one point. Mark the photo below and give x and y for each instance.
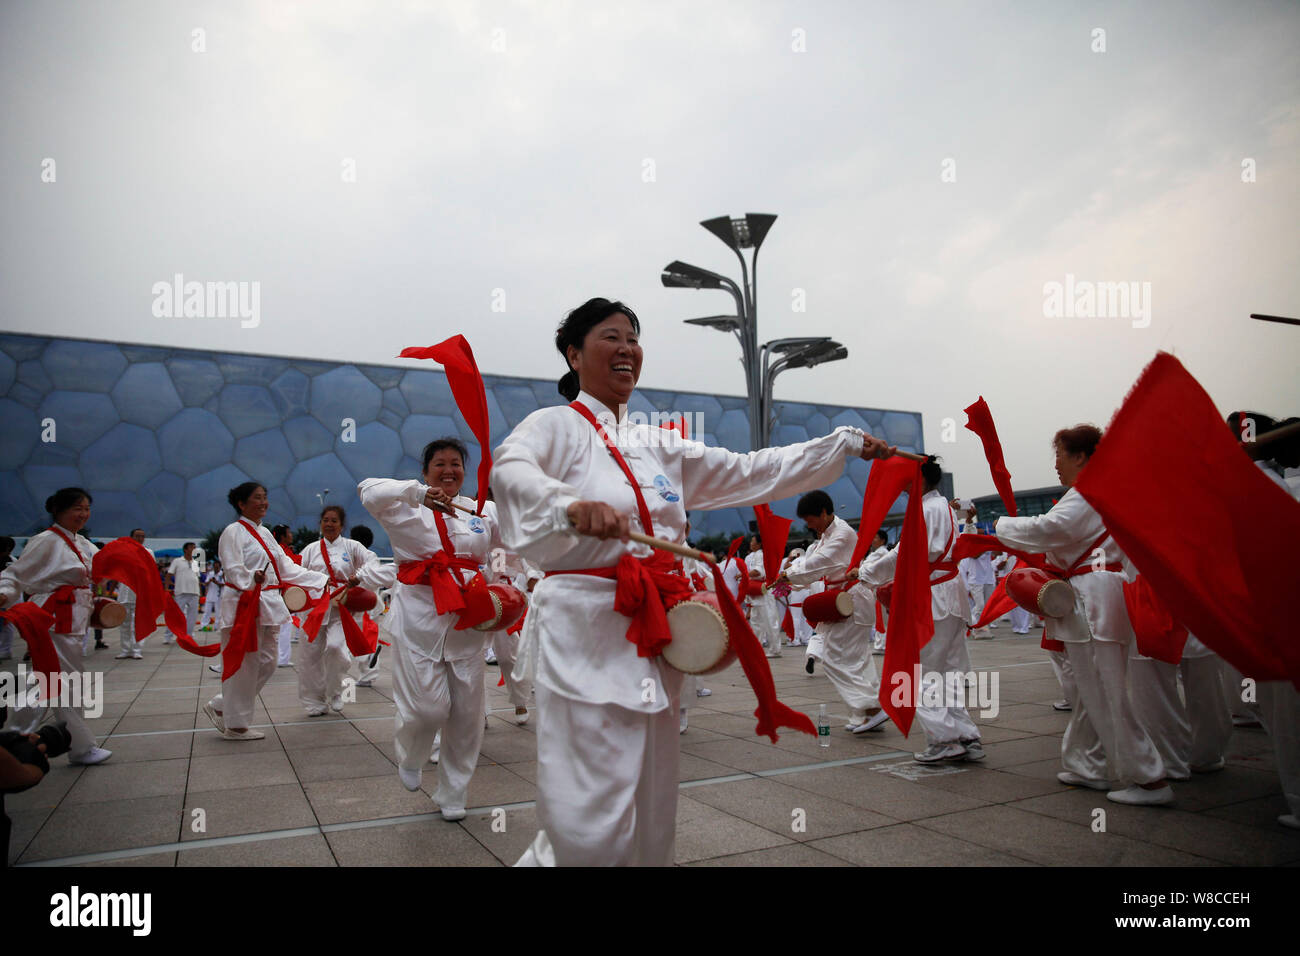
(495, 607)
(1037, 591)
(295, 598)
(358, 600)
(107, 614)
(828, 607)
(751, 587)
(700, 644)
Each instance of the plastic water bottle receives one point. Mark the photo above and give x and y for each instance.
(823, 727)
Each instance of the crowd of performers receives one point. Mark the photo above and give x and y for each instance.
(570, 489)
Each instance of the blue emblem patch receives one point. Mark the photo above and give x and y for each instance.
(477, 526)
(665, 489)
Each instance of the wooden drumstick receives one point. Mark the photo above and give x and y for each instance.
(659, 543)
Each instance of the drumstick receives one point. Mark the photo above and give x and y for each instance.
(659, 543)
(912, 456)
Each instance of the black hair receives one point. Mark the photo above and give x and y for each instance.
(1286, 452)
(280, 530)
(437, 445)
(241, 493)
(815, 503)
(363, 534)
(1079, 440)
(187, 544)
(931, 472)
(141, 530)
(343, 515)
(573, 331)
(7, 543)
(66, 498)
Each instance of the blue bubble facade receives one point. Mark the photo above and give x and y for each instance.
(159, 435)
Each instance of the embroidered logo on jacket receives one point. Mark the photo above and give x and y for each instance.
(477, 526)
(665, 489)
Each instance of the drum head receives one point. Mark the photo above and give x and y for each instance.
(295, 598)
(109, 614)
(1056, 599)
(700, 644)
(844, 603)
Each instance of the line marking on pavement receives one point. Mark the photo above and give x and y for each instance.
(213, 842)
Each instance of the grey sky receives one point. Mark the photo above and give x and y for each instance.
(504, 146)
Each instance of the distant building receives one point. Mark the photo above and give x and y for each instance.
(1030, 502)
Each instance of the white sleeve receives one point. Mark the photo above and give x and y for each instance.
(878, 568)
(26, 571)
(231, 552)
(533, 505)
(373, 573)
(719, 478)
(1072, 523)
(384, 497)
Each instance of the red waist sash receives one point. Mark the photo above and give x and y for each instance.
(60, 603)
(443, 575)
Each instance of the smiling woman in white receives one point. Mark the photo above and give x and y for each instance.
(437, 670)
(607, 727)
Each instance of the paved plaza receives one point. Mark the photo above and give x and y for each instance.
(324, 791)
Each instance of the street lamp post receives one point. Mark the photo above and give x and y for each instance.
(748, 232)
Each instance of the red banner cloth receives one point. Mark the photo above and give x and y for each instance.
(911, 622)
(999, 603)
(128, 561)
(33, 623)
(1158, 634)
(1213, 536)
(980, 420)
(775, 532)
(466, 383)
(888, 479)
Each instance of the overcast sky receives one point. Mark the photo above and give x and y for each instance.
(560, 150)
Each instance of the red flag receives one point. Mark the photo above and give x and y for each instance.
(911, 622)
(457, 358)
(127, 560)
(999, 603)
(889, 478)
(1158, 634)
(980, 420)
(775, 531)
(1213, 536)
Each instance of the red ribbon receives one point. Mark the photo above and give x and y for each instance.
(980, 420)
(127, 560)
(60, 604)
(33, 624)
(436, 571)
(642, 584)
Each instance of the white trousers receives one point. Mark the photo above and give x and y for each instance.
(1207, 711)
(1064, 676)
(1153, 693)
(239, 693)
(1279, 708)
(210, 606)
(322, 665)
(606, 784)
(803, 631)
(6, 639)
(1233, 691)
(944, 662)
(27, 720)
(432, 696)
(126, 633)
(506, 648)
(767, 626)
(844, 648)
(1019, 620)
(189, 603)
(1104, 740)
(284, 644)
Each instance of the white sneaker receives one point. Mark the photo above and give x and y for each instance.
(317, 711)
(1289, 820)
(243, 734)
(91, 757)
(1071, 779)
(703, 692)
(872, 722)
(214, 668)
(1214, 767)
(936, 752)
(410, 778)
(521, 719)
(1140, 797)
(124, 656)
(336, 704)
(453, 814)
(1063, 705)
(137, 656)
(369, 682)
(216, 718)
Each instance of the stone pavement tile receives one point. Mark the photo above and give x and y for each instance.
(321, 732)
(1055, 842)
(47, 794)
(154, 692)
(250, 810)
(149, 859)
(753, 754)
(491, 786)
(1039, 769)
(1041, 691)
(1009, 753)
(120, 696)
(240, 769)
(704, 832)
(773, 805)
(1262, 813)
(308, 850)
(108, 714)
(795, 854)
(1054, 723)
(209, 743)
(727, 724)
(528, 769)
(1197, 833)
(690, 767)
(153, 705)
(907, 844)
(880, 792)
(143, 778)
(159, 747)
(340, 762)
(990, 785)
(148, 725)
(1019, 712)
(1233, 784)
(365, 798)
(376, 729)
(73, 830)
(433, 843)
(996, 733)
(507, 845)
(381, 708)
(26, 824)
(510, 745)
(696, 734)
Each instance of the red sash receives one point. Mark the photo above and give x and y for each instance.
(642, 586)
(356, 639)
(243, 633)
(64, 598)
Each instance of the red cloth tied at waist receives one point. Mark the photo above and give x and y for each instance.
(436, 571)
(359, 644)
(60, 604)
(642, 585)
(33, 624)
